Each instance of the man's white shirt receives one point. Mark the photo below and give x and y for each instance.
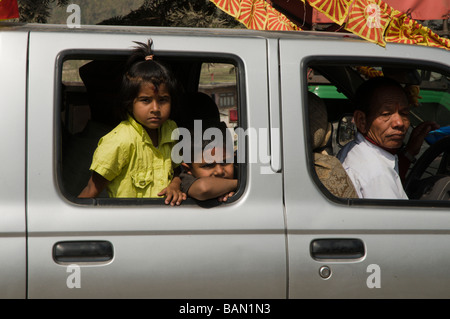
(373, 171)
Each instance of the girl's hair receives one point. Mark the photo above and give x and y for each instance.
(141, 68)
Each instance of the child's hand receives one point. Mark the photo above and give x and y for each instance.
(174, 196)
(225, 197)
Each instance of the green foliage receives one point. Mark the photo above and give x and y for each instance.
(37, 10)
(95, 11)
(177, 13)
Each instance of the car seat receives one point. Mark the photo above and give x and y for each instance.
(328, 168)
(199, 106)
(102, 80)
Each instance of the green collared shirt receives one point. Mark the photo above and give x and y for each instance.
(127, 158)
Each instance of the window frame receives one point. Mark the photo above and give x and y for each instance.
(101, 54)
(311, 61)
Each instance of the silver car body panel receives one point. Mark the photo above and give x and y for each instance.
(13, 70)
(256, 247)
(407, 244)
(160, 252)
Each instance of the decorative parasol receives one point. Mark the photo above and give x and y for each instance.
(373, 20)
(256, 14)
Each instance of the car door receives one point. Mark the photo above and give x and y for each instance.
(142, 249)
(13, 64)
(354, 248)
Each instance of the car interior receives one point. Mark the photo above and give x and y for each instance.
(88, 104)
(336, 82)
(89, 101)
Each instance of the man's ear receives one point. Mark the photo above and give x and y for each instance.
(360, 121)
(187, 168)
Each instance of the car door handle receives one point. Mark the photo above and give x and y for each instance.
(337, 248)
(82, 251)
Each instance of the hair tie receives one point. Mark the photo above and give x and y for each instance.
(149, 57)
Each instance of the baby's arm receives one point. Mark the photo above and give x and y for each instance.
(96, 184)
(212, 187)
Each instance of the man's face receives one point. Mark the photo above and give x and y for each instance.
(388, 120)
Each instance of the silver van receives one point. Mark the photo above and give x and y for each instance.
(282, 235)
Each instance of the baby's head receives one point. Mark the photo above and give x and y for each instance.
(149, 89)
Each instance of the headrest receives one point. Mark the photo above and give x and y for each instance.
(102, 80)
(319, 127)
(200, 106)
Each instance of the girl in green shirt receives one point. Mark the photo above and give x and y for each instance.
(133, 160)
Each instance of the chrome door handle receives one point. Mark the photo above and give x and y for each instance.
(82, 251)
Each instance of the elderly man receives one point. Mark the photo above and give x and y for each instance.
(382, 120)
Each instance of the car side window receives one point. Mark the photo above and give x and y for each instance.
(332, 87)
(88, 108)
